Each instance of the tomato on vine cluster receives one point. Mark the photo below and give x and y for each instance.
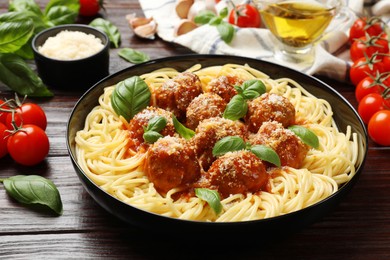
(22, 132)
(370, 73)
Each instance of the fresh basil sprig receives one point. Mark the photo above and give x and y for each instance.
(151, 131)
(183, 131)
(237, 106)
(34, 189)
(130, 96)
(133, 56)
(306, 135)
(225, 29)
(211, 197)
(236, 143)
(109, 28)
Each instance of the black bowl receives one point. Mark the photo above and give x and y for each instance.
(72, 74)
(344, 115)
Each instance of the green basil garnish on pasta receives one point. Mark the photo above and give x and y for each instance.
(237, 106)
(151, 131)
(34, 189)
(130, 96)
(307, 136)
(211, 197)
(266, 153)
(183, 131)
(228, 144)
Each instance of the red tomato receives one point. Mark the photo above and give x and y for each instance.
(245, 15)
(3, 114)
(3, 140)
(364, 67)
(386, 61)
(369, 105)
(379, 127)
(371, 85)
(361, 26)
(368, 46)
(90, 7)
(28, 113)
(28, 145)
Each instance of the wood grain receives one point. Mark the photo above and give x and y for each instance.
(359, 228)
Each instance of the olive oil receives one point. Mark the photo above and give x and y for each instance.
(297, 24)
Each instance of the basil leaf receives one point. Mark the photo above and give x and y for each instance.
(16, 74)
(25, 5)
(228, 144)
(211, 197)
(130, 96)
(58, 15)
(226, 31)
(215, 21)
(266, 153)
(236, 108)
(204, 17)
(156, 123)
(183, 131)
(253, 88)
(224, 12)
(109, 28)
(73, 5)
(14, 34)
(306, 135)
(151, 136)
(133, 56)
(34, 189)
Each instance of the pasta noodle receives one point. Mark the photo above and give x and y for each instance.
(101, 149)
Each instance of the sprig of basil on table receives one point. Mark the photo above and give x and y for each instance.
(225, 29)
(151, 131)
(109, 28)
(34, 189)
(130, 96)
(133, 56)
(306, 135)
(236, 143)
(237, 106)
(211, 197)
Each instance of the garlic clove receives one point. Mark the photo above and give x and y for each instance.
(146, 31)
(182, 7)
(184, 26)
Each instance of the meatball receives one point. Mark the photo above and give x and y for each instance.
(291, 150)
(224, 86)
(211, 130)
(141, 120)
(269, 107)
(177, 93)
(237, 173)
(204, 106)
(170, 163)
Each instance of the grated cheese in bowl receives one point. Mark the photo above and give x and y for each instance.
(71, 45)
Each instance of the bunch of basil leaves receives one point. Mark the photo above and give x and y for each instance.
(18, 26)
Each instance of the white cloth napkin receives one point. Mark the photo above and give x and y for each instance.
(331, 52)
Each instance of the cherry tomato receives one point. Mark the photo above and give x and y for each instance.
(386, 61)
(379, 127)
(28, 113)
(245, 15)
(368, 46)
(3, 140)
(364, 67)
(90, 7)
(371, 84)
(3, 115)
(28, 145)
(369, 105)
(361, 26)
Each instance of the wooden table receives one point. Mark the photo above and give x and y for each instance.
(359, 228)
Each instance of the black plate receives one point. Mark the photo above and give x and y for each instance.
(344, 115)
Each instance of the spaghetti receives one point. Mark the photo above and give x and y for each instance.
(102, 152)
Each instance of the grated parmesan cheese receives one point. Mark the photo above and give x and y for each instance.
(71, 45)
